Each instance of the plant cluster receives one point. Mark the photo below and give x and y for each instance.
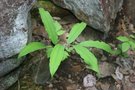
(127, 43)
(61, 49)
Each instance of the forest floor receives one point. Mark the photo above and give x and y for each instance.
(117, 73)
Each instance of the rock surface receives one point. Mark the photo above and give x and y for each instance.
(53, 9)
(13, 26)
(130, 10)
(106, 69)
(89, 81)
(15, 30)
(97, 13)
(8, 65)
(8, 80)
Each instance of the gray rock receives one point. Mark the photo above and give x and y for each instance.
(97, 13)
(14, 27)
(129, 9)
(15, 30)
(8, 80)
(106, 69)
(8, 65)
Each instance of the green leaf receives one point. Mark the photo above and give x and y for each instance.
(132, 36)
(69, 49)
(48, 51)
(65, 55)
(125, 46)
(97, 44)
(88, 57)
(55, 58)
(58, 26)
(60, 32)
(76, 31)
(34, 46)
(132, 43)
(116, 52)
(49, 25)
(123, 38)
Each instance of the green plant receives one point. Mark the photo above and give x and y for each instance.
(126, 44)
(61, 47)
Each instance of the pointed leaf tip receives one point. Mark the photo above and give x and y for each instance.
(88, 57)
(56, 58)
(31, 47)
(76, 31)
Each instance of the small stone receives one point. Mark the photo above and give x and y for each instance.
(106, 69)
(50, 85)
(132, 78)
(71, 87)
(91, 88)
(70, 80)
(89, 81)
(69, 76)
(119, 75)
